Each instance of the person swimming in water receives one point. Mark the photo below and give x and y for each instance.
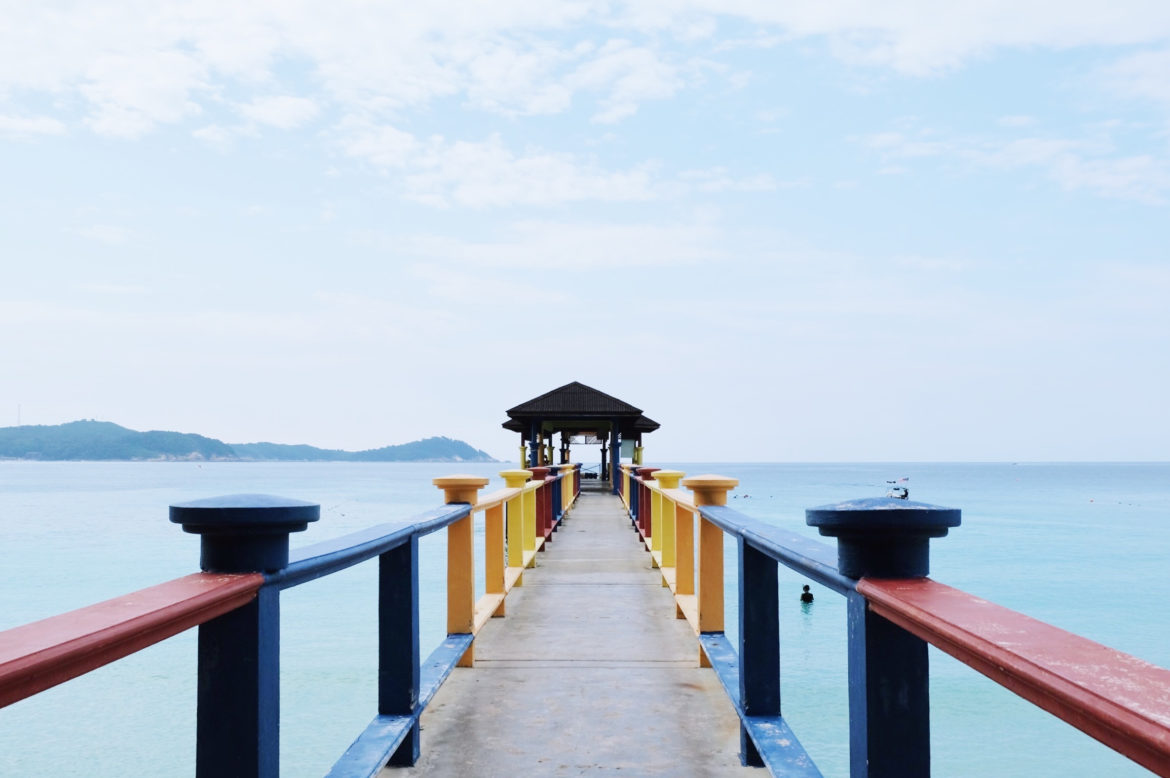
(806, 596)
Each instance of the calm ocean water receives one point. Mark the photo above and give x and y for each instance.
(1082, 546)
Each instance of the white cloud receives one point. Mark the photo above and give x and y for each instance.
(216, 135)
(1016, 121)
(513, 81)
(482, 174)
(1075, 164)
(381, 145)
(20, 127)
(140, 65)
(108, 234)
(117, 290)
(578, 246)
(485, 173)
(921, 37)
(1144, 75)
(630, 75)
(130, 94)
(284, 111)
(720, 179)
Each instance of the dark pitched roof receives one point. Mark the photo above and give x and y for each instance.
(573, 406)
(575, 400)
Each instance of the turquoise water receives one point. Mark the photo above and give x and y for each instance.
(1083, 546)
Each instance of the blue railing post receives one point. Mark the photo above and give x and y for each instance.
(398, 642)
(889, 690)
(556, 499)
(633, 497)
(759, 642)
(238, 719)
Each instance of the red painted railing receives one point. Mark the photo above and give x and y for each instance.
(40, 655)
(1114, 697)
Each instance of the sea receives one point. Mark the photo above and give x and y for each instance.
(1083, 546)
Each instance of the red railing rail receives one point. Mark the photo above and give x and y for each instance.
(40, 655)
(1116, 698)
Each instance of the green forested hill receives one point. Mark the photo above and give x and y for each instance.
(103, 440)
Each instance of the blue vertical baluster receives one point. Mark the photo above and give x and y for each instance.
(889, 697)
(398, 642)
(759, 642)
(238, 721)
(634, 492)
(889, 690)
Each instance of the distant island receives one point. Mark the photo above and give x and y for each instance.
(106, 441)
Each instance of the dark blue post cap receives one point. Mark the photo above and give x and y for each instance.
(244, 533)
(883, 537)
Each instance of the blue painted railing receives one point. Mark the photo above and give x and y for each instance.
(235, 603)
(893, 612)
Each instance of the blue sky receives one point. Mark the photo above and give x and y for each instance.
(797, 232)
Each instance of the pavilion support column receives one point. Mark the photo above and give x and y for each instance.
(534, 441)
(615, 454)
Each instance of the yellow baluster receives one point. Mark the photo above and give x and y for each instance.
(710, 490)
(515, 479)
(567, 487)
(461, 559)
(667, 479)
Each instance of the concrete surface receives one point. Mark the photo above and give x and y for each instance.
(590, 672)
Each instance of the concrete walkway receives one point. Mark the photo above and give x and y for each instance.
(590, 672)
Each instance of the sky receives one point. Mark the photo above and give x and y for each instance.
(837, 231)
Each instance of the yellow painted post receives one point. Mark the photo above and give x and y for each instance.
(493, 554)
(523, 455)
(567, 495)
(514, 479)
(710, 490)
(637, 455)
(626, 470)
(461, 559)
(667, 479)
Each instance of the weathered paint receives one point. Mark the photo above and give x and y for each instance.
(771, 737)
(1114, 697)
(386, 737)
(40, 655)
(238, 716)
(883, 537)
(398, 645)
(889, 698)
(759, 641)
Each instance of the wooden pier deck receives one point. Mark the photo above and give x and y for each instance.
(590, 672)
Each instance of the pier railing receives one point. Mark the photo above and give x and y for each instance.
(246, 563)
(894, 611)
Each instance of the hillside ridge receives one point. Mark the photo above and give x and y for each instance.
(91, 440)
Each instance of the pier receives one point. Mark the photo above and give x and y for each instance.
(590, 636)
(591, 654)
